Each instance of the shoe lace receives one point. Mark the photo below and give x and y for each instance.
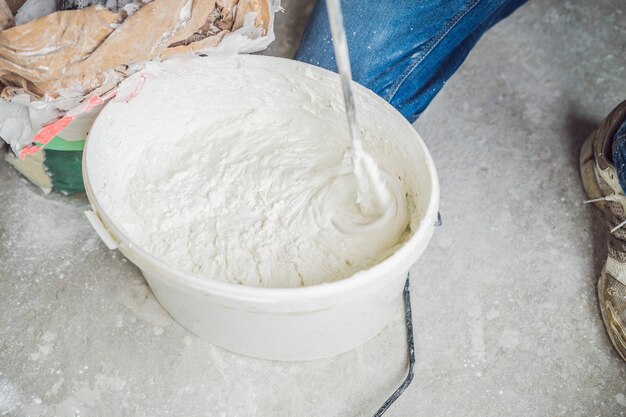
(612, 197)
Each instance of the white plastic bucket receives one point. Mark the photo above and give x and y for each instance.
(283, 323)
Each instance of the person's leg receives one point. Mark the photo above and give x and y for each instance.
(404, 50)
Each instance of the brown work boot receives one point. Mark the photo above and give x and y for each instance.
(601, 184)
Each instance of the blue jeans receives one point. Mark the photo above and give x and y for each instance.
(619, 154)
(404, 50)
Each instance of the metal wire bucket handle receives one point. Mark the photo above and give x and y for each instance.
(406, 295)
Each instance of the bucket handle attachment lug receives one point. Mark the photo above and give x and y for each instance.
(438, 222)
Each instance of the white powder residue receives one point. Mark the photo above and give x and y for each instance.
(131, 8)
(249, 181)
(34, 9)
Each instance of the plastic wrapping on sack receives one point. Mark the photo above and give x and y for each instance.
(86, 50)
(34, 9)
(52, 65)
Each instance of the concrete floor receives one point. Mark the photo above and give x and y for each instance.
(505, 311)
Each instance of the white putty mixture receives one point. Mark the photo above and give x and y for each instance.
(258, 189)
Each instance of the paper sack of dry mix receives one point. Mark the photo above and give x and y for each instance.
(58, 69)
